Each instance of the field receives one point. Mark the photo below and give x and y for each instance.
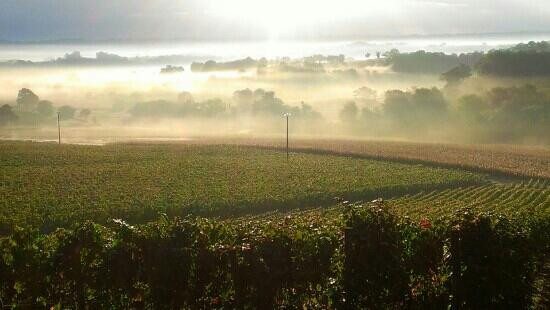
(48, 186)
(530, 198)
(245, 228)
(507, 160)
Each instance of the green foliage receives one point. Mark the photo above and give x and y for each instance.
(363, 257)
(428, 62)
(456, 74)
(515, 63)
(527, 198)
(415, 110)
(502, 114)
(491, 263)
(374, 274)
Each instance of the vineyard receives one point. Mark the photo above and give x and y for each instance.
(179, 226)
(365, 257)
(507, 160)
(524, 199)
(530, 197)
(50, 186)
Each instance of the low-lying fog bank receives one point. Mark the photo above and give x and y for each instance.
(497, 97)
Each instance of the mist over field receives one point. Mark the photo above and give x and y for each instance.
(255, 154)
(427, 91)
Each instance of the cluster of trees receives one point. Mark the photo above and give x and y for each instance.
(101, 59)
(29, 108)
(514, 62)
(529, 59)
(240, 64)
(264, 103)
(331, 59)
(244, 103)
(179, 108)
(502, 114)
(427, 62)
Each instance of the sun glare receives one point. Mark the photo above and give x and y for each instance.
(287, 17)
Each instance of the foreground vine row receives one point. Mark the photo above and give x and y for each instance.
(365, 257)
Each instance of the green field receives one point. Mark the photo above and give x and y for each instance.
(529, 198)
(47, 185)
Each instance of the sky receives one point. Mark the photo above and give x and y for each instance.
(30, 20)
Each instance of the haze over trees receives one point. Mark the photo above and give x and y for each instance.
(7, 116)
(501, 114)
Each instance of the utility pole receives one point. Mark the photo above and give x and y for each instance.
(58, 130)
(287, 115)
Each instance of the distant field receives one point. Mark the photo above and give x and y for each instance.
(48, 185)
(517, 160)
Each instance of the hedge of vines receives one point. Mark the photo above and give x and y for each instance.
(365, 258)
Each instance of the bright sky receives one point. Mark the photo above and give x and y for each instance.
(257, 19)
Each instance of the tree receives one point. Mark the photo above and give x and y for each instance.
(45, 108)
(349, 112)
(365, 93)
(456, 74)
(27, 100)
(391, 53)
(85, 113)
(396, 104)
(473, 109)
(6, 115)
(66, 112)
(185, 97)
(429, 102)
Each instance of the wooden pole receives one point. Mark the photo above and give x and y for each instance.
(58, 130)
(287, 137)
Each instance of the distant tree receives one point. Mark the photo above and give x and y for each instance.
(349, 112)
(532, 46)
(210, 108)
(27, 100)
(265, 103)
(85, 113)
(365, 93)
(473, 109)
(367, 55)
(244, 96)
(397, 104)
(415, 110)
(185, 97)
(378, 55)
(456, 74)
(45, 109)
(391, 53)
(421, 62)
(66, 112)
(307, 111)
(7, 115)
(430, 102)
